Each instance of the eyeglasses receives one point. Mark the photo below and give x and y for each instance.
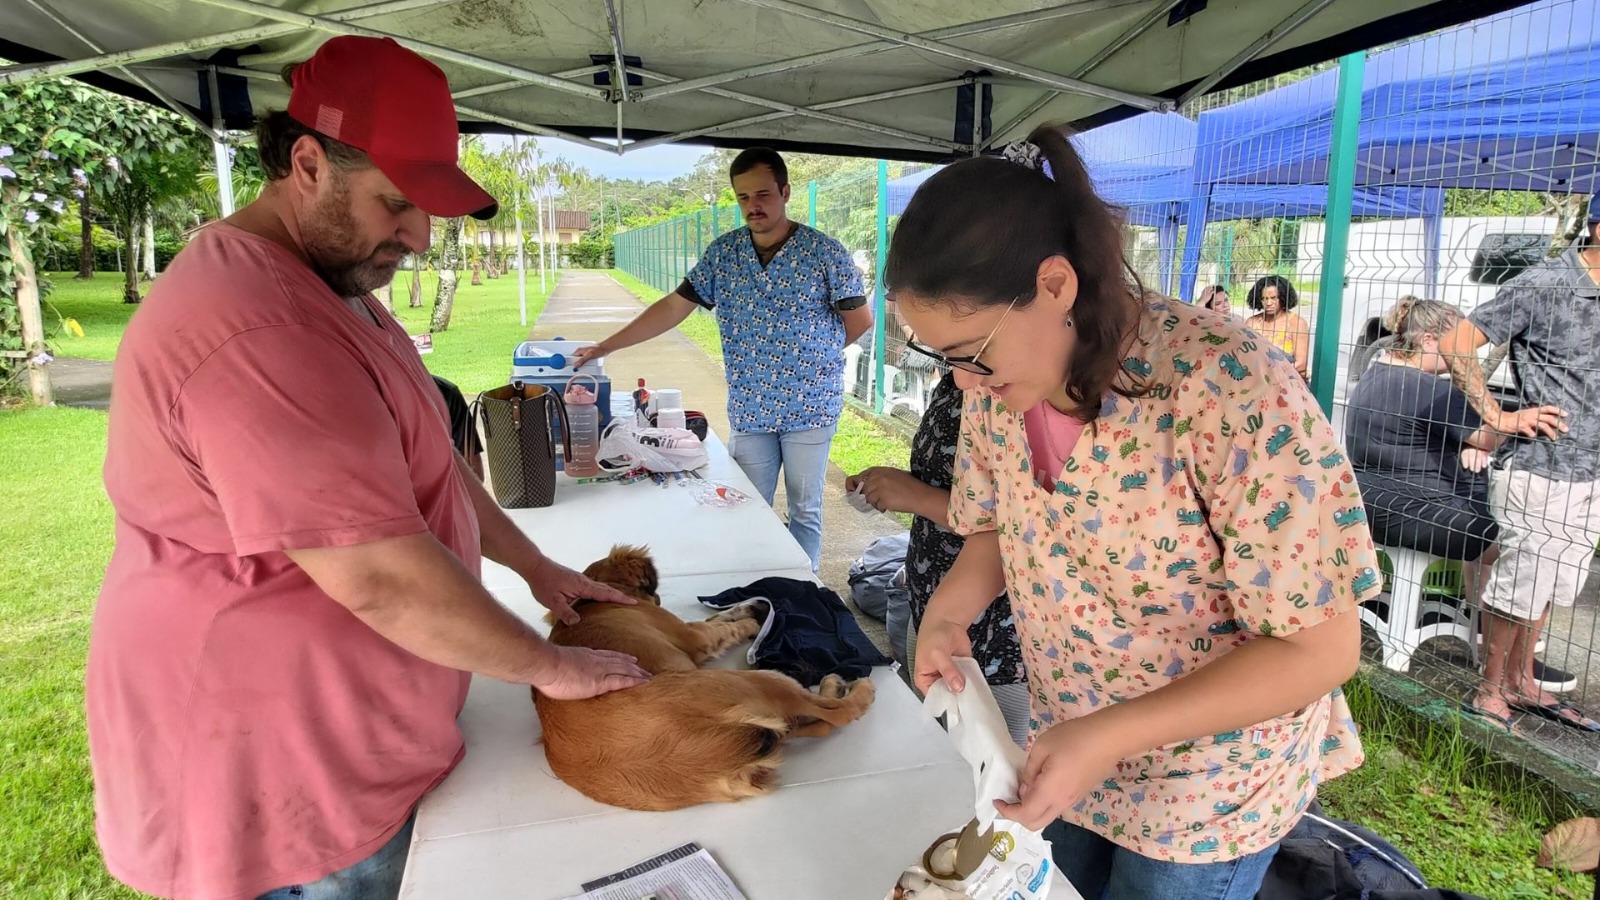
(966, 363)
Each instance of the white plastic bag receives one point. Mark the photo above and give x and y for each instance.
(626, 446)
(1017, 865)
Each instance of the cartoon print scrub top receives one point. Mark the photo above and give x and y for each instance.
(1213, 510)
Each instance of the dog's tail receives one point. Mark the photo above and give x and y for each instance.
(754, 769)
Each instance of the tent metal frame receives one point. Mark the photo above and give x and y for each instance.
(994, 70)
(620, 93)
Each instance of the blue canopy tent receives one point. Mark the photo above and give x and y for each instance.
(1506, 103)
(1145, 164)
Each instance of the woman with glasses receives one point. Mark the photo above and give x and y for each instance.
(1181, 538)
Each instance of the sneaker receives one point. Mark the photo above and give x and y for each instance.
(1553, 679)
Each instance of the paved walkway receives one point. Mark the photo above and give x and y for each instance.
(590, 306)
(81, 382)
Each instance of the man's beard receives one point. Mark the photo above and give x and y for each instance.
(329, 233)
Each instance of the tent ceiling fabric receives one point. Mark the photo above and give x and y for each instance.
(483, 43)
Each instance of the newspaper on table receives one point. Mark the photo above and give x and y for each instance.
(686, 873)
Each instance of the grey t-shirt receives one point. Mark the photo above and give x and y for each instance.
(1551, 316)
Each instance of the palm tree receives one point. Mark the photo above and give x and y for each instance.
(444, 297)
(248, 180)
(478, 162)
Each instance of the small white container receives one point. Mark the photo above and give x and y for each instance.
(667, 398)
(671, 418)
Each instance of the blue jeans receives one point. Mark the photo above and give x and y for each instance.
(803, 457)
(1101, 870)
(375, 878)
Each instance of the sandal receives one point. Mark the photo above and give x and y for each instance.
(1558, 712)
(1501, 723)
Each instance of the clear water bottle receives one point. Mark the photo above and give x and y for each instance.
(583, 420)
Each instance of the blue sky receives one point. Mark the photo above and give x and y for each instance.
(661, 163)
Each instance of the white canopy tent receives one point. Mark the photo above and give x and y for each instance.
(889, 78)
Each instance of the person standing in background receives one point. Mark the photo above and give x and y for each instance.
(1544, 487)
(924, 492)
(788, 300)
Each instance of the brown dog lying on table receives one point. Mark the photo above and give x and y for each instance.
(689, 735)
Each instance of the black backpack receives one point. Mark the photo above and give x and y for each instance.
(1328, 859)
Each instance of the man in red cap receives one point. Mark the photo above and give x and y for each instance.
(286, 628)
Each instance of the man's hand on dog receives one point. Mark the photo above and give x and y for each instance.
(578, 673)
(557, 588)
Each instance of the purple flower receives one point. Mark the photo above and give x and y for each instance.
(42, 358)
(38, 197)
(31, 216)
(77, 192)
(50, 156)
(58, 206)
(5, 172)
(5, 152)
(114, 163)
(79, 176)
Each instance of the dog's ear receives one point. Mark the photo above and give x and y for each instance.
(628, 569)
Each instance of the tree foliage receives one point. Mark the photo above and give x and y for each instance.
(59, 138)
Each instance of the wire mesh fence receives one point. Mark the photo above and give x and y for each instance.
(1355, 214)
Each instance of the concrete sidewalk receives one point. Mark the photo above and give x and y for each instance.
(590, 306)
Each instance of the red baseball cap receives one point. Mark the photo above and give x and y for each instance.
(379, 97)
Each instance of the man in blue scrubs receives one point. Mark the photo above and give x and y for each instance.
(788, 300)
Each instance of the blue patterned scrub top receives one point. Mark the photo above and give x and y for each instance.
(782, 335)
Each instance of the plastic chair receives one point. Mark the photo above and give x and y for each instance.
(1418, 588)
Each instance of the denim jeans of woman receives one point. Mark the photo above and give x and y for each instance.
(1101, 870)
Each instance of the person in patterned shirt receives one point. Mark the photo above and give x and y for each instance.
(788, 300)
(1183, 542)
(924, 491)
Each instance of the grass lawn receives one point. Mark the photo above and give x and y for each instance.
(858, 444)
(98, 307)
(57, 540)
(475, 352)
(1463, 830)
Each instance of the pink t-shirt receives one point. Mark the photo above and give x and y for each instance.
(1051, 435)
(247, 732)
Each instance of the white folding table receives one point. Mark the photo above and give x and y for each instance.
(853, 809)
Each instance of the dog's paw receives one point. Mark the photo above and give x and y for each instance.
(833, 687)
(862, 691)
(742, 612)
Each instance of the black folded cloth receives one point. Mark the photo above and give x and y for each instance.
(806, 630)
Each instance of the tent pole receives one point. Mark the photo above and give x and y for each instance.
(1336, 236)
(522, 252)
(877, 294)
(219, 147)
(1432, 239)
